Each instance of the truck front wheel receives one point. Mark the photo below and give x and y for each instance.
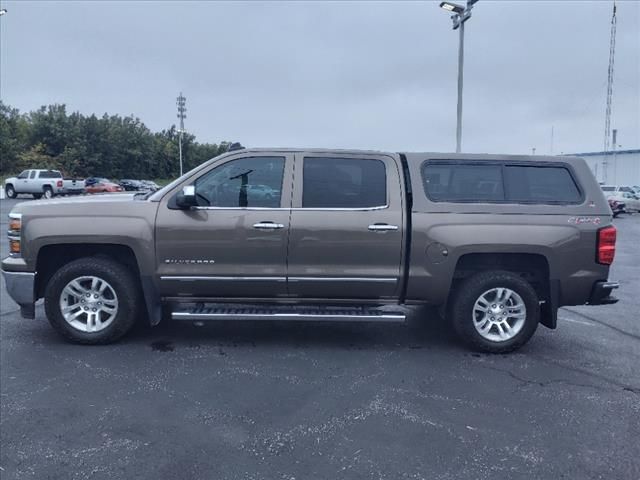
(10, 191)
(92, 300)
(495, 311)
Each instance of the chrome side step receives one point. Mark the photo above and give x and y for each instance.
(310, 314)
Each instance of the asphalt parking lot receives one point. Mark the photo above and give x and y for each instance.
(283, 401)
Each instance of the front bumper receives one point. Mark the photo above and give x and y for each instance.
(601, 293)
(21, 287)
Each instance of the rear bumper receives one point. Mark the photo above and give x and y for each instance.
(601, 293)
(20, 286)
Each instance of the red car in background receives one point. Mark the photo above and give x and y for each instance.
(102, 185)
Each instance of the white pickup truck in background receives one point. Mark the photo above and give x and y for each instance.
(42, 183)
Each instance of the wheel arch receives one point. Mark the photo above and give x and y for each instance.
(533, 267)
(51, 257)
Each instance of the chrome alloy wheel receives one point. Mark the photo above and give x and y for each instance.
(499, 314)
(88, 304)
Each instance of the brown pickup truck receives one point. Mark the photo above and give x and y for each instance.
(497, 243)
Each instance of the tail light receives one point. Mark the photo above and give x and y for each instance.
(59, 183)
(606, 249)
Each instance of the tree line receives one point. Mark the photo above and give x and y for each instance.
(81, 146)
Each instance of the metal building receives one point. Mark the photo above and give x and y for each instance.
(621, 167)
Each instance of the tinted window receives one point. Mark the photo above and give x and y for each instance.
(33, 174)
(50, 174)
(540, 185)
(459, 182)
(343, 183)
(246, 182)
(608, 189)
(24, 174)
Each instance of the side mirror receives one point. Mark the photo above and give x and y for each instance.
(187, 197)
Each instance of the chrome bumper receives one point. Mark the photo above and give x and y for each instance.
(20, 286)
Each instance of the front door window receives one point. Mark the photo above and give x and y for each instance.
(243, 183)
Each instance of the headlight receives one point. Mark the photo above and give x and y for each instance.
(15, 232)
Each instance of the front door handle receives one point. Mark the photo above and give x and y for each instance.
(268, 226)
(382, 227)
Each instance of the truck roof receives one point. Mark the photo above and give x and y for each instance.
(419, 156)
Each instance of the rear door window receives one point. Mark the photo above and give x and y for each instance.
(50, 174)
(329, 182)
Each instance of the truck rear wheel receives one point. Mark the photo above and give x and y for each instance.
(92, 300)
(47, 192)
(10, 191)
(495, 311)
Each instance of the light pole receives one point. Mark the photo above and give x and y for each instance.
(460, 16)
(181, 101)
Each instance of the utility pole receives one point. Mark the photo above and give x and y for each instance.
(607, 116)
(614, 140)
(181, 101)
(551, 139)
(460, 16)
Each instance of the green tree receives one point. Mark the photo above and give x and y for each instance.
(110, 146)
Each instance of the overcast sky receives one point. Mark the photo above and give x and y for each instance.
(372, 75)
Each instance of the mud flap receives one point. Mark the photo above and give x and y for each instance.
(151, 300)
(549, 309)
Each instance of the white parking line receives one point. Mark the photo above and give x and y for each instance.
(582, 322)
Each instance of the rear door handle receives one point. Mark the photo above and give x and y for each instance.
(382, 227)
(268, 226)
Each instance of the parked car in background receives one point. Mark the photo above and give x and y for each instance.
(262, 191)
(150, 185)
(616, 207)
(103, 185)
(627, 196)
(611, 189)
(42, 183)
(631, 201)
(132, 185)
(91, 180)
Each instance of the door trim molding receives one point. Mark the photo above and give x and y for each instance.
(196, 278)
(344, 279)
(215, 278)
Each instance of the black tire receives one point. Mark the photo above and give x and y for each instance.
(462, 310)
(47, 192)
(10, 191)
(118, 276)
(37, 196)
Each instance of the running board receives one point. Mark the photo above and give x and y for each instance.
(309, 314)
